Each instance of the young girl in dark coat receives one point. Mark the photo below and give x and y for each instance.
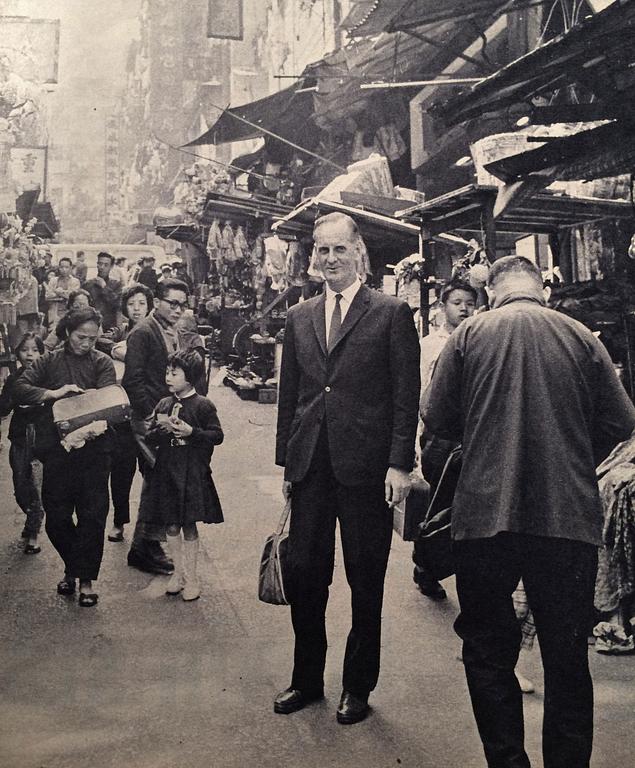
(26, 469)
(185, 429)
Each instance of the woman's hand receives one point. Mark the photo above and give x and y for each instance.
(67, 389)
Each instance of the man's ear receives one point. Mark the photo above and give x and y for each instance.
(156, 301)
(491, 296)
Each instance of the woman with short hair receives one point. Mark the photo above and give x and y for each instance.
(75, 481)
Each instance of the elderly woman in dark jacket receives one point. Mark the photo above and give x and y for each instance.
(74, 481)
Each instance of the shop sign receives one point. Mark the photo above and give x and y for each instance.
(225, 19)
(28, 167)
(31, 47)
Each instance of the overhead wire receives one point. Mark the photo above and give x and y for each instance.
(216, 162)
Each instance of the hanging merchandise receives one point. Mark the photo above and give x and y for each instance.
(214, 241)
(364, 269)
(314, 272)
(276, 262)
(227, 254)
(297, 264)
(473, 266)
(241, 246)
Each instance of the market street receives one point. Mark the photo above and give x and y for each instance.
(150, 681)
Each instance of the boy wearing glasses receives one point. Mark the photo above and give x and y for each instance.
(149, 345)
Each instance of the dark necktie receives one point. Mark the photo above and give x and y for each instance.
(336, 321)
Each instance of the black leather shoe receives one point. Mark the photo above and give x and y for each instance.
(427, 585)
(148, 556)
(293, 700)
(352, 709)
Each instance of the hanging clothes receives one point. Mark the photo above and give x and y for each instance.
(276, 262)
(297, 264)
(227, 244)
(214, 241)
(241, 246)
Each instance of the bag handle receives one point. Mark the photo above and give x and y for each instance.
(446, 466)
(284, 517)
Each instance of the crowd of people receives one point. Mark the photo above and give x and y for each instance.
(530, 396)
(102, 331)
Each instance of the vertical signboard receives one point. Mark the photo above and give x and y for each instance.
(28, 168)
(112, 181)
(225, 19)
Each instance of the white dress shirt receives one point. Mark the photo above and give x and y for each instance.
(348, 294)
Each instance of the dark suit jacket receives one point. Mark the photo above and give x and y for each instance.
(367, 389)
(146, 361)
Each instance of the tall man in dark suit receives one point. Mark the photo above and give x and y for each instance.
(347, 418)
(534, 399)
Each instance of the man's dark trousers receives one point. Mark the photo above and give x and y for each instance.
(559, 577)
(366, 529)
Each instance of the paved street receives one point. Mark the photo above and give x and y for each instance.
(147, 681)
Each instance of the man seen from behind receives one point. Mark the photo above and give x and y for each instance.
(534, 399)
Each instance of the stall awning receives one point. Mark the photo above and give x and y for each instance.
(606, 150)
(377, 230)
(286, 112)
(598, 53)
(541, 213)
(369, 17)
(241, 208)
(387, 58)
(182, 233)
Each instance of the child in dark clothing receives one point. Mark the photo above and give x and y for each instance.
(185, 429)
(26, 470)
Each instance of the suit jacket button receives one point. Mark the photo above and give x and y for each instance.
(327, 389)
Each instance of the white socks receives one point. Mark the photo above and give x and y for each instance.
(191, 590)
(176, 582)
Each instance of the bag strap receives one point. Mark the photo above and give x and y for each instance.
(446, 467)
(284, 517)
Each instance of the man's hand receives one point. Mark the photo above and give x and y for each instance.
(286, 489)
(100, 281)
(397, 485)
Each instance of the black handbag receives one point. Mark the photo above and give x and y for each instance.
(435, 532)
(271, 580)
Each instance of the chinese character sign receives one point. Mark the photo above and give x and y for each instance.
(28, 168)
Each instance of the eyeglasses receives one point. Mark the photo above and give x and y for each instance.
(176, 304)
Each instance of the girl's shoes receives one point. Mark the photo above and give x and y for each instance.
(177, 580)
(175, 584)
(32, 548)
(526, 686)
(191, 589)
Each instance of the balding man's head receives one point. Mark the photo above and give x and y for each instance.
(513, 274)
(337, 218)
